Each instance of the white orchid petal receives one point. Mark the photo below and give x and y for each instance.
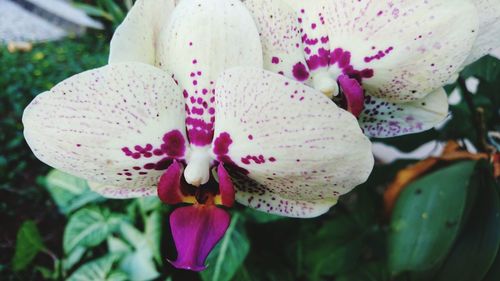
(255, 195)
(205, 38)
(290, 139)
(489, 29)
(419, 44)
(117, 126)
(281, 38)
(383, 119)
(136, 39)
(400, 50)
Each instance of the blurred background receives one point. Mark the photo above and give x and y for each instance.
(430, 210)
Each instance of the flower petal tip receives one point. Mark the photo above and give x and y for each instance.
(196, 230)
(185, 266)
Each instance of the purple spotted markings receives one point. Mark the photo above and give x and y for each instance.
(328, 68)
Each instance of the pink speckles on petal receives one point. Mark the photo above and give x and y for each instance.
(174, 144)
(221, 149)
(300, 72)
(222, 143)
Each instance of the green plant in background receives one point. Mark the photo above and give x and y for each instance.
(107, 10)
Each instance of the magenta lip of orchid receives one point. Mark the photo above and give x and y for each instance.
(185, 111)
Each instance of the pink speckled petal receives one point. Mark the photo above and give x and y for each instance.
(205, 38)
(196, 230)
(295, 143)
(136, 39)
(489, 29)
(315, 37)
(353, 94)
(401, 50)
(281, 38)
(384, 119)
(117, 126)
(226, 186)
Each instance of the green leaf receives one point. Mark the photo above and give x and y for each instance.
(116, 245)
(427, 218)
(73, 258)
(494, 272)
(69, 192)
(118, 275)
(87, 227)
(375, 271)
(334, 248)
(138, 264)
(28, 244)
(93, 11)
(260, 217)
(148, 204)
(152, 227)
(229, 254)
(478, 244)
(95, 270)
(487, 68)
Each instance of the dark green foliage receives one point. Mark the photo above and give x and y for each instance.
(427, 218)
(23, 76)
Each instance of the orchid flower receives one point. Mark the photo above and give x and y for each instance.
(184, 110)
(384, 61)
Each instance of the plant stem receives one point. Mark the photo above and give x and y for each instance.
(478, 119)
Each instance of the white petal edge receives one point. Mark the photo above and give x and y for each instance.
(488, 38)
(136, 39)
(82, 125)
(383, 119)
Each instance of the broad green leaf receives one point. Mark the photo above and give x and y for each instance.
(148, 204)
(427, 218)
(87, 227)
(478, 244)
(95, 270)
(133, 236)
(487, 68)
(229, 254)
(28, 244)
(334, 248)
(494, 272)
(47, 274)
(118, 276)
(69, 192)
(73, 258)
(153, 231)
(260, 217)
(116, 245)
(139, 265)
